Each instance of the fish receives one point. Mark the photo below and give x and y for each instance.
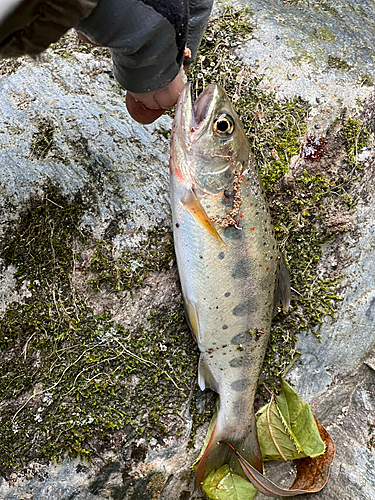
(232, 273)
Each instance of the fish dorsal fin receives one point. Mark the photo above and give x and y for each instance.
(194, 206)
(282, 288)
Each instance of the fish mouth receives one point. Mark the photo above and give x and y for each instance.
(191, 128)
(190, 113)
(202, 104)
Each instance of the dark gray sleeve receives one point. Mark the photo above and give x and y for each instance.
(199, 11)
(147, 38)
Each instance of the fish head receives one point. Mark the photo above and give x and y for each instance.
(208, 142)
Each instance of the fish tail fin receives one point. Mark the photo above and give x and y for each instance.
(217, 454)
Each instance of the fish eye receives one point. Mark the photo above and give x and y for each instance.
(223, 125)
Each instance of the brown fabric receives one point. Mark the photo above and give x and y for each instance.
(35, 24)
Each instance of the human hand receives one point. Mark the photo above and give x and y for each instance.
(146, 108)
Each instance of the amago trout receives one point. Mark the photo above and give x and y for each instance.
(232, 273)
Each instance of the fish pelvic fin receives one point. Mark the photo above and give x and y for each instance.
(217, 454)
(194, 206)
(282, 290)
(206, 378)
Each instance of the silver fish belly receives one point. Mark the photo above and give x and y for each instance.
(231, 270)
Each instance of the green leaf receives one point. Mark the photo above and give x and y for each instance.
(224, 484)
(287, 429)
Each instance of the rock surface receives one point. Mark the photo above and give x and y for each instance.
(321, 52)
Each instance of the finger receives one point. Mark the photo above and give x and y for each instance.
(168, 96)
(139, 112)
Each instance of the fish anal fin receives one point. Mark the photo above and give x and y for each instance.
(194, 206)
(282, 289)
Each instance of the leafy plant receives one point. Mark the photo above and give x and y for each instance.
(287, 430)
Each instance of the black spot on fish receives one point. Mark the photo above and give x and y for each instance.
(241, 361)
(177, 225)
(240, 338)
(244, 308)
(240, 385)
(233, 233)
(224, 327)
(226, 294)
(221, 255)
(241, 269)
(236, 363)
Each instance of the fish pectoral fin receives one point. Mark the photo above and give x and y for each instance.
(206, 380)
(282, 289)
(192, 318)
(191, 202)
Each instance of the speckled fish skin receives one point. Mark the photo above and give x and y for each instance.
(230, 287)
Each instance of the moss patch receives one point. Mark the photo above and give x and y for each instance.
(337, 63)
(70, 379)
(70, 43)
(128, 270)
(42, 140)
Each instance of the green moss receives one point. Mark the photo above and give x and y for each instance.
(325, 34)
(69, 378)
(367, 81)
(42, 140)
(356, 138)
(70, 43)
(128, 270)
(201, 415)
(337, 63)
